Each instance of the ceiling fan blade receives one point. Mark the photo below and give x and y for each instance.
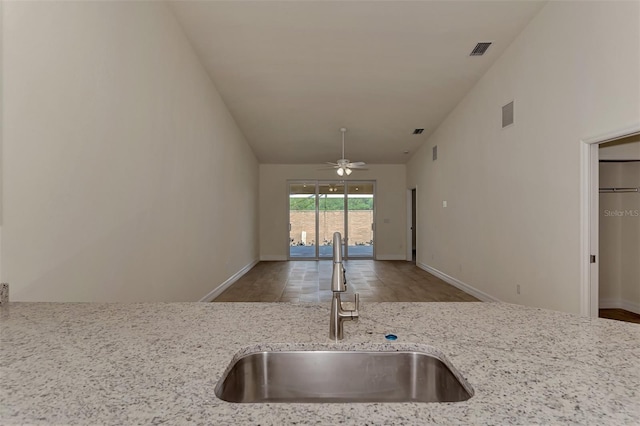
(357, 165)
(332, 164)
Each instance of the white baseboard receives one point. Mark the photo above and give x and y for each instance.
(391, 257)
(232, 279)
(630, 306)
(273, 257)
(619, 304)
(608, 303)
(458, 284)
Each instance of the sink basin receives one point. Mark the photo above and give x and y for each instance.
(340, 376)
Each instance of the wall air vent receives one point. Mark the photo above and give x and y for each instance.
(480, 49)
(418, 131)
(507, 115)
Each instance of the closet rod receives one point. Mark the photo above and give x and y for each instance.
(618, 189)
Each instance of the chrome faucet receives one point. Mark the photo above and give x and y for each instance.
(339, 285)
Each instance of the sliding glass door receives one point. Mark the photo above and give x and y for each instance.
(302, 220)
(330, 216)
(317, 209)
(360, 219)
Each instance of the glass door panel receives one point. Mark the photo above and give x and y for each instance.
(331, 214)
(302, 220)
(360, 219)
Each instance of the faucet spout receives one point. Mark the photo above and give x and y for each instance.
(339, 285)
(337, 247)
(338, 281)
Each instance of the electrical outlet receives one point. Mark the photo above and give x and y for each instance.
(517, 288)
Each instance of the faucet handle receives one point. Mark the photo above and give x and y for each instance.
(354, 312)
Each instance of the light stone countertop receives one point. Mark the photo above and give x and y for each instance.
(64, 363)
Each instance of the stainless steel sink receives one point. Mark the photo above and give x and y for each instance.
(340, 376)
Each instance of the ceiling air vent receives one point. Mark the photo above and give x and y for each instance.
(418, 131)
(480, 49)
(507, 115)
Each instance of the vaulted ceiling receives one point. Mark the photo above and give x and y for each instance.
(293, 73)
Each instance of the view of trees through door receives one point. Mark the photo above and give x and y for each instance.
(317, 209)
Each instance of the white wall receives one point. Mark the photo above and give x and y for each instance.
(619, 271)
(390, 203)
(1, 126)
(125, 177)
(513, 214)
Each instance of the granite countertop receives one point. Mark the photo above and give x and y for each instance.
(159, 363)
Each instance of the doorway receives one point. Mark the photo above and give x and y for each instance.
(619, 229)
(317, 209)
(590, 223)
(411, 225)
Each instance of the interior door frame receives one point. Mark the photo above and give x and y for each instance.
(590, 217)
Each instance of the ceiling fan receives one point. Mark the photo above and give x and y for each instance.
(343, 165)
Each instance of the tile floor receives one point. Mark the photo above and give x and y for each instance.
(309, 281)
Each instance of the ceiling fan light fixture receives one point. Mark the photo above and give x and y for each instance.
(343, 165)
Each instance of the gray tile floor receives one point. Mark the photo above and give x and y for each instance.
(309, 281)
